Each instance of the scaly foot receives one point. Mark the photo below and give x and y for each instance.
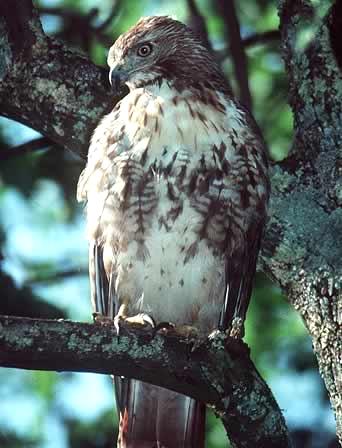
(237, 330)
(141, 320)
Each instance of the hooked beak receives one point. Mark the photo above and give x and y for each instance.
(117, 78)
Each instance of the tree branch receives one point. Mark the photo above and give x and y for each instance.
(81, 26)
(218, 372)
(33, 145)
(114, 12)
(57, 276)
(261, 38)
(197, 23)
(250, 41)
(237, 51)
(41, 78)
(303, 247)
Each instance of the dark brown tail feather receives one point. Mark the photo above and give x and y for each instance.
(153, 417)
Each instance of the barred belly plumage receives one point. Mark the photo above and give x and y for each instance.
(170, 203)
(152, 248)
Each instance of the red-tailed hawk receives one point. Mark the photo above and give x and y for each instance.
(176, 188)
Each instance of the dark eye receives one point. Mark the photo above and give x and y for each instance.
(144, 50)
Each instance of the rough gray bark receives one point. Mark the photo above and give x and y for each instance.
(46, 85)
(62, 94)
(303, 246)
(218, 372)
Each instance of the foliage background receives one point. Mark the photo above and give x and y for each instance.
(43, 251)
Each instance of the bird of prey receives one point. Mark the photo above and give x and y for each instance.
(176, 188)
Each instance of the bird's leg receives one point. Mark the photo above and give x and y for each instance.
(237, 329)
(141, 319)
(223, 339)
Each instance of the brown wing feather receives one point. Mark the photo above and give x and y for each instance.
(240, 272)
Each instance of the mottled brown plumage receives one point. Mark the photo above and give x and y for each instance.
(176, 188)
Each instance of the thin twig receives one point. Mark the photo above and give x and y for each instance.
(250, 41)
(52, 277)
(86, 20)
(114, 12)
(261, 38)
(36, 144)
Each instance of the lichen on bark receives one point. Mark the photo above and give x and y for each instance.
(306, 260)
(219, 372)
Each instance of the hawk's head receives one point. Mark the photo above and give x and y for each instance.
(158, 48)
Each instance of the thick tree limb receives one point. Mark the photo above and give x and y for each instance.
(44, 84)
(303, 246)
(219, 372)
